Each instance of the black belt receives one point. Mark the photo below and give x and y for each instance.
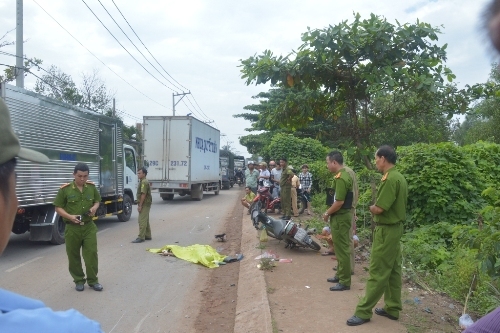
(387, 224)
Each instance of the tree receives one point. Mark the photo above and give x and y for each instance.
(95, 95)
(483, 121)
(10, 71)
(92, 95)
(348, 66)
(58, 85)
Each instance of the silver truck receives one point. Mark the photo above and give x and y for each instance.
(182, 156)
(67, 135)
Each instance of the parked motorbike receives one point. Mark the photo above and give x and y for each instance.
(239, 181)
(301, 201)
(264, 196)
(286, 230)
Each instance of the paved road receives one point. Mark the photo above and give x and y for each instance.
(143, 292)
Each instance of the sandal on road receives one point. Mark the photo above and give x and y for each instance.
(327, 253)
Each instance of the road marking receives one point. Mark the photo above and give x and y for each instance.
(118, 322)
(103, 230)
(24, 263)
(138, 327)
(192, 229)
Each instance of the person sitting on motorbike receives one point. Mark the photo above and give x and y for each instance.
(247, 200)
(239, 174)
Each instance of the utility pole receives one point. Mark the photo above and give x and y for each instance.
(175, 95)
(114, 108)
(19, 45)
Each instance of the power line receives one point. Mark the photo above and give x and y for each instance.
(111, 16)
(166, 107)
(125, 47)
(145, 46)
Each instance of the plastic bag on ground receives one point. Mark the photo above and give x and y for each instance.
(465, 321)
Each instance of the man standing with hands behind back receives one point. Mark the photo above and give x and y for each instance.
(389, 214)
(144, 201)
(77, 203)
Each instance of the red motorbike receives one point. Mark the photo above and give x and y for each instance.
(268, 203)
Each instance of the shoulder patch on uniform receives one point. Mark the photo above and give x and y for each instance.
(64, 185)
(337, 176)
(90, 182)
(385, 176)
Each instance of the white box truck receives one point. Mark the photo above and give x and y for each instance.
(182, 156)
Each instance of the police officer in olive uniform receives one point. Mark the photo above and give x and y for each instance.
(77, 203)
(144, 201)
(340, 216)
(286, 189)
(389, 214)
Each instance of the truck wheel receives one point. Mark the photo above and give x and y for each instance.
(217, 190)
(58, 232)
(168, 197)
(127, 209)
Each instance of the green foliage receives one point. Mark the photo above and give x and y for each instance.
(486, 156)
(485, 239)
(457, 281)
(297, 151)
(443, 183)
(426, 248)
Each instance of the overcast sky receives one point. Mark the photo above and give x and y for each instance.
(200, 43)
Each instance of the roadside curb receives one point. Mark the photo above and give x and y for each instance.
(252, 302)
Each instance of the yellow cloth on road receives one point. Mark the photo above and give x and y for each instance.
(198, 254)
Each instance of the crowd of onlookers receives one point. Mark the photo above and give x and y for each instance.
(269, 175)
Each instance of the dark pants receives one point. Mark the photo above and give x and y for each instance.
(82, 237)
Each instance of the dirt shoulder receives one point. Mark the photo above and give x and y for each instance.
(295, 297)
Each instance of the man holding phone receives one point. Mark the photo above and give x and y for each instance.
(77, 203)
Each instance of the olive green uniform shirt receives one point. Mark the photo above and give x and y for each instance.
(144, 188)
(284, 178)
(343, 185)
(392, 197)
(355, 188)
(75, 202)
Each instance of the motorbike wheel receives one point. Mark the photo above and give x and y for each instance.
(315, 246)
(301, 206)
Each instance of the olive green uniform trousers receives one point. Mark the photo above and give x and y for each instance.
(385, 272)
(286, 200)
(144, 228)
(82, 237)
(340, 226)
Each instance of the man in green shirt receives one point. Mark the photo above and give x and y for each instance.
(340, 216)
(144, 201)
(389, 214)
(77, 203)
(286, 189)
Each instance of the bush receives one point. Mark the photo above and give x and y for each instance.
(297, 151)
(444, 184)
(426, 248)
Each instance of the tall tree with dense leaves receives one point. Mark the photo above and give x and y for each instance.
(349, 65)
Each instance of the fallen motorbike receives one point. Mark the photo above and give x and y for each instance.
(286, 230)
(266, 199)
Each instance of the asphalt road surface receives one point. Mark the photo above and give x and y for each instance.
(143, 292)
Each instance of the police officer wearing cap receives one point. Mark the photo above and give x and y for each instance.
(77, 203)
